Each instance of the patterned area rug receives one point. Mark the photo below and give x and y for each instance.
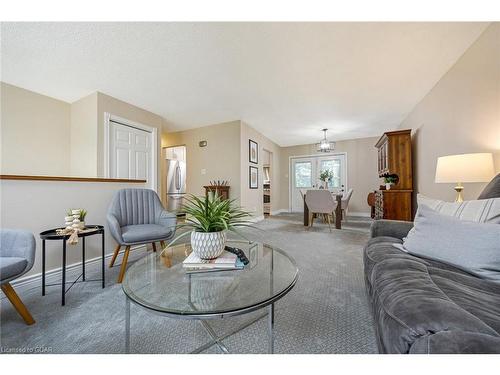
(326, 312)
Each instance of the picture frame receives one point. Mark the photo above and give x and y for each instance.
(253, 177)
(253, 152)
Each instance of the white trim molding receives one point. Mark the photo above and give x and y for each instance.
(280, 211)
(256, 219)
(359, 214)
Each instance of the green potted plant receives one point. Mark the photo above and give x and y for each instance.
(76, 216)
(208, 219)
(326, 176)
(389, 180)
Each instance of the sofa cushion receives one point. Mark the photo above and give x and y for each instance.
(143, 233)
(456, 342)
(492, 190)
(473, 247)
(412, 300)
(480, 211)
(379, 249)
(11, 266)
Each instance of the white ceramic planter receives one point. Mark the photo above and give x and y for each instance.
(208, 245)
(388, 186)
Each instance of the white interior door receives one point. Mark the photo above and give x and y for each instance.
(130, 152)
(305, 172)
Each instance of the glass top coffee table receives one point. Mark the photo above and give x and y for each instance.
(161, 285)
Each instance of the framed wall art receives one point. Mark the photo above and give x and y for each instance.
(253, 178)
(253, 152)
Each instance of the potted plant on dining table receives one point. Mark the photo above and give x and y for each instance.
(326, 176)
(208, 219)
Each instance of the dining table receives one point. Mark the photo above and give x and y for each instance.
(338, 210)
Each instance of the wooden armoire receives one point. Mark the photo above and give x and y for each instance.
(394, 158)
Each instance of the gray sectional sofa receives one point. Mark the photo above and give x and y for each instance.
(423, 306)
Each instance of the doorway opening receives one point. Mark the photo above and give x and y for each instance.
(267, 158)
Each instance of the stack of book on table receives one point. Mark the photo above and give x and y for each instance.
(225, 262)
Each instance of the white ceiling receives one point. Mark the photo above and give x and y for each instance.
(287, 80)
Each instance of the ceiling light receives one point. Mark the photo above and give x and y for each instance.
(324, 145)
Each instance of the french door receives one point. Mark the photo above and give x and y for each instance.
(305, 172)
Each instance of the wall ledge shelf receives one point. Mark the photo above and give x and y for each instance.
(68, 179)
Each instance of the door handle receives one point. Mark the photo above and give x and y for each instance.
(178, 178)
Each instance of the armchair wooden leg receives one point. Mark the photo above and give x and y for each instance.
(311, 217)
(115, 254)
(162, 244)
(17, 303)
(124, 264)
(154, 246)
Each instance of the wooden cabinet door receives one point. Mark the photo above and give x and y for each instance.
(397, 205)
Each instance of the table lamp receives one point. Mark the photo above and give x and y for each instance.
(464, 168)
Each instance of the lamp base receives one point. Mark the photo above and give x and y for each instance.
(459, 188)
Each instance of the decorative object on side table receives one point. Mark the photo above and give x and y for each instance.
(326, 176)
(253, 152)
(75, 223)
(209, 218)
(253, 178)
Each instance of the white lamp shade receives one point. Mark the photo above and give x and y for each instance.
(465, 168)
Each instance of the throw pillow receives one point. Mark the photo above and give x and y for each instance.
(492, 190)
(479, 211)
(473, 247)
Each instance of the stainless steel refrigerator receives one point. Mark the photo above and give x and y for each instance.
(176, 177)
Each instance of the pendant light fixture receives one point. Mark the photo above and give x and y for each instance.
(324, 145)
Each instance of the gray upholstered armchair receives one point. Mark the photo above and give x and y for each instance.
(17, 255)
(136, 217)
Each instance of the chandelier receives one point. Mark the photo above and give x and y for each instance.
(324, 145)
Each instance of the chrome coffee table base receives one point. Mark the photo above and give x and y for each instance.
(215, 340)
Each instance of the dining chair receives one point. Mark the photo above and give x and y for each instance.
(137, 217)
(17, 255)
(320, 202)
(344, 203)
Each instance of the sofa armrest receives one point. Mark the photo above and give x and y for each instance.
(390, 228)
(114, 228)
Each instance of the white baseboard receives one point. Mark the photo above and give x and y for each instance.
(256, 219)
(359, 214)
(277, 212)
(30, 282)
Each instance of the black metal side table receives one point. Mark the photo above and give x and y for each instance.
(52, 234)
